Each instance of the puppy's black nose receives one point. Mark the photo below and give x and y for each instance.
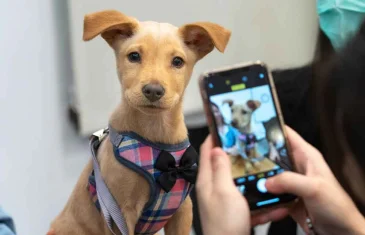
(234, 123)
(153, 91)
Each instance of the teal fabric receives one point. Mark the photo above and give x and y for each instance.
(340, 19)
(6, 224)
(229, 139)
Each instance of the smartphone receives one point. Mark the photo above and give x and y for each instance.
(245, 119)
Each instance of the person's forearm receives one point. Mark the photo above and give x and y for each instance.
(359, 227)
(356, 224)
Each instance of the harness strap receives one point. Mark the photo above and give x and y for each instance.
(108, 205)
(114, 136)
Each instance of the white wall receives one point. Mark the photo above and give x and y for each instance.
(37, 157)
(281, 33)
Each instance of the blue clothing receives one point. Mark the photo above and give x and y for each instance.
(6, 224)
(229, 138)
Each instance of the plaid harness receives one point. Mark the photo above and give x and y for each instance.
(249, 140)
(146, 159)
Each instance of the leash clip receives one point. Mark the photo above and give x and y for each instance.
(100, 134)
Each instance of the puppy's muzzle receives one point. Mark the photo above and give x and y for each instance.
(153, 91)
(234, 123)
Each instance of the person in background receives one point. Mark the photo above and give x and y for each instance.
(6, 224)
(226, 132)
(337, 90)
(339, 98)
(305, 93)
(341, 114)
(313, 97)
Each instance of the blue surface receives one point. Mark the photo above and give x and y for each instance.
(268, 202)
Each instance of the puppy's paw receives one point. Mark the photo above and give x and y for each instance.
(249, 167)
(234, 159)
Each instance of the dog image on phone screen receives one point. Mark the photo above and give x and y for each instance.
(245, 150)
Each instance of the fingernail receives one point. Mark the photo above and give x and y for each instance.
(269, 182)
(217, 160)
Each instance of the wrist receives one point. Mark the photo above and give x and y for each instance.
(358, 226)
(213, 230)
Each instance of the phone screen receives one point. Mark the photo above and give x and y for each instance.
(246, 121)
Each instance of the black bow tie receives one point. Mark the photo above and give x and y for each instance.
(167, 165)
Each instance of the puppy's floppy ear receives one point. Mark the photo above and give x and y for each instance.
(110, 24)
(253, 104)
(202, 37)
(229, 102)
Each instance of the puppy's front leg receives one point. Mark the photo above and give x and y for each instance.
(180, 223)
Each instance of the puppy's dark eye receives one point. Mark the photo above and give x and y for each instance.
(134, 57)
(177, 62)
(244, 112)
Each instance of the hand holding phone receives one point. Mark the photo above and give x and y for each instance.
(316, 187)
(222, 208)
(244, 118)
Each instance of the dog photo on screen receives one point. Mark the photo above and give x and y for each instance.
(249, 131)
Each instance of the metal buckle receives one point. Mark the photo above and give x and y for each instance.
(101, 134)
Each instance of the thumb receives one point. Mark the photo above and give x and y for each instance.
(221, 167)
(289, 182)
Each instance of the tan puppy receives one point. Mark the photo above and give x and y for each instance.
(154, 64)
(241, 119)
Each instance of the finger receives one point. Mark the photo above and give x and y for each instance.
(205, 167)
(296, 141)
(297, 145)
(290, 182)
(299, 214)
(270, 216)
(305, 154)
(207, 146)
(221, 168)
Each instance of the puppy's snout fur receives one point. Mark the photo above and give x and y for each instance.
(153, 91)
